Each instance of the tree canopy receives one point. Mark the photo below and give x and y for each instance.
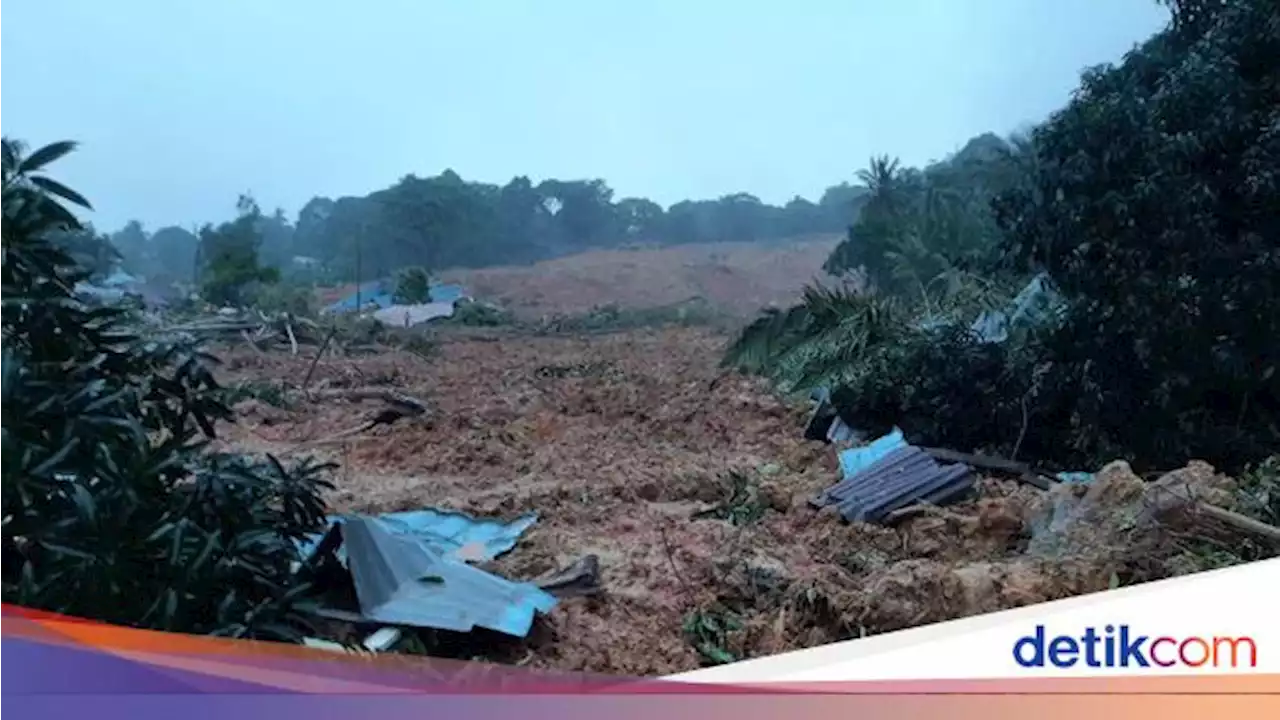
(918, 226)
(1155, 207)
(1150, 204)
(230, 269)
(113, 508)
(445, 221)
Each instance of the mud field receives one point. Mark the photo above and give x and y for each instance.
(735, 278)
(619, 441)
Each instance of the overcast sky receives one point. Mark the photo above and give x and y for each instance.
(180, 106)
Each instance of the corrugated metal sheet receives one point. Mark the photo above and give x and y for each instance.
(120, 279)
(399, 581)
(410, 568)
(371, 292)
(454, 535)
(903, 476)
(458, 534)
(378, 293)
(855, 460)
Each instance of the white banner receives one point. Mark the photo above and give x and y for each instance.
(1220, 622)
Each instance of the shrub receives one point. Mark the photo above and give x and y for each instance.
(413, 286)
(1156, 210)
(113, 508)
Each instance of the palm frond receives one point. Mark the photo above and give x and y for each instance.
(53, 187)
(818, 340)
(45, 155)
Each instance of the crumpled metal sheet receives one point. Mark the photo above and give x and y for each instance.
(460, 535)
(400, 581)
(410, 568)
(449, 533)
(1037, 304)
(855, 460)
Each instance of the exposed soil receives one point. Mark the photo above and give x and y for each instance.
(734, 278)
(617, 441)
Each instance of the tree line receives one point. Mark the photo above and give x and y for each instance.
(444, 221)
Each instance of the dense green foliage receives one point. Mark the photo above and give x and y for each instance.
(230, 271)
(113, 508)
(1156, 209)
(90, 250)
(920, 227)
(444, 221)
(413, 286)
(1152, 201)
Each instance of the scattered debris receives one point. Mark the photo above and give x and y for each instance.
(708, 631)
(626, 457)
(257, 329)
(399, 406)
(743, 503)
(825, 424)
(889, 475)
(380, 640)
(579, 579)
(410, 569)
(1022, 471)
(855, 460)
(409, 404)
(1037, 304)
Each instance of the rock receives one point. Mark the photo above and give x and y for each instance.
(776, 496)
(260, 412)
(1197, 481)
(756, 575)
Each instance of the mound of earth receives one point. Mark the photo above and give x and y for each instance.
(733, 278)
(691, 489)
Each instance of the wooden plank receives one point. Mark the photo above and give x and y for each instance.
(1023, 471)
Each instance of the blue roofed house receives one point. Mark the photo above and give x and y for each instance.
(378, 295)
(374, 292)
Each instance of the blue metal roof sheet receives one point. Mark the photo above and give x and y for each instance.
(400, 581)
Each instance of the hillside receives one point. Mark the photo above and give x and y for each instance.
(734, 278)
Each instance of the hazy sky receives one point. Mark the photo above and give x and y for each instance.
(181, 106)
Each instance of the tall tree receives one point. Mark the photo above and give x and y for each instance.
(1156, 209)
(230, 255)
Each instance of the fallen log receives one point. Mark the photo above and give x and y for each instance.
(1023, 471)
(1243, 523)
(412, 405)
(250, 341)
(402, 406)
(316, 361)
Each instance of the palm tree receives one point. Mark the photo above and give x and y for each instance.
(30, 198)
(883, 178)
